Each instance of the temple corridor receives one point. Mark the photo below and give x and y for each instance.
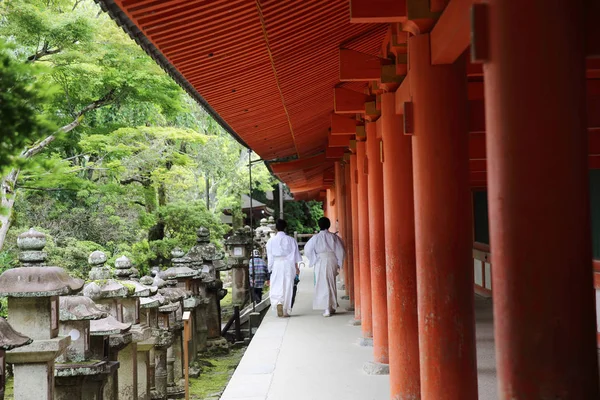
(308, 357)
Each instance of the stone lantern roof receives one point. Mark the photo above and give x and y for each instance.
(108, 326)
(172, 293)
(180, 268)
(240, 236)
(148, 281)
(150, 302)
(78, 308)
(34, 278)
(9, 338)
(168, 308)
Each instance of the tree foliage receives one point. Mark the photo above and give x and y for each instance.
(135, 158)
(22, 97)
(302, 216)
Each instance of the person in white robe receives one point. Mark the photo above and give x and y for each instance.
(325, 252)
(283, 257)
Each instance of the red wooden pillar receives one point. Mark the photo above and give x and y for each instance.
(326, 207)
(443, 229)
(363, 241)
(539, 201)
(377, 245)
(400, 254)
(355, 239)
(332, 208)
(341, 213)
(348, 232)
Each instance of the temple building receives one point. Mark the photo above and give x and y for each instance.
(455, 143)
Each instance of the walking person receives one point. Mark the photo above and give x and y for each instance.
(325, 252)
(258, 272)
(283, 257)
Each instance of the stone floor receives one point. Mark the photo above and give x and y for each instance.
(309, 357)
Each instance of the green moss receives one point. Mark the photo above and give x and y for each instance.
(226, 306)
(216, 373)
(101, 282)
(9, 390)
(130, 288)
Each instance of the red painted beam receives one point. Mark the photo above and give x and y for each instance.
(306, 196)
(451, 35)
(307, 188)
(474, 92)
(377, 11)
(357, 66)
(342, 125)
(348, 101)
(334, 153)
(437, 5)
(297, 165)
(339, 140)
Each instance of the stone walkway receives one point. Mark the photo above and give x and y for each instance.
(308, 357)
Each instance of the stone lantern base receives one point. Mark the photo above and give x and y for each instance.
(86, 380)
(34, 367)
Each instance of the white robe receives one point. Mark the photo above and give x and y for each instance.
(325, 252)
(282, 256)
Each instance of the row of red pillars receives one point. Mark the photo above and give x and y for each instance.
(409, 220)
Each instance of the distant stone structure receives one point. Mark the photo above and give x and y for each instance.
(206, 259)
(239, 247)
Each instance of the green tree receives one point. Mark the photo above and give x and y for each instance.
(22, 98)
(133, 159)
(93, 65)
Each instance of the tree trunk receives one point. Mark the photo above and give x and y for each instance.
(8, 187)
(157, 232)
(7, 202)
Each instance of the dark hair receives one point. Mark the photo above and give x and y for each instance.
(280, 225)
(324, 223)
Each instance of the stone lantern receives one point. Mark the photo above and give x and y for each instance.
(32, 292)
(262, 234)
(190, 280)
(164, 340)
(78, 376)
(9, 339)
(112, 295)
(149, 316)
(107, 336)
(175, 296)
(271, 225)
(204, 257)
(239, 248)
(142, 333)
